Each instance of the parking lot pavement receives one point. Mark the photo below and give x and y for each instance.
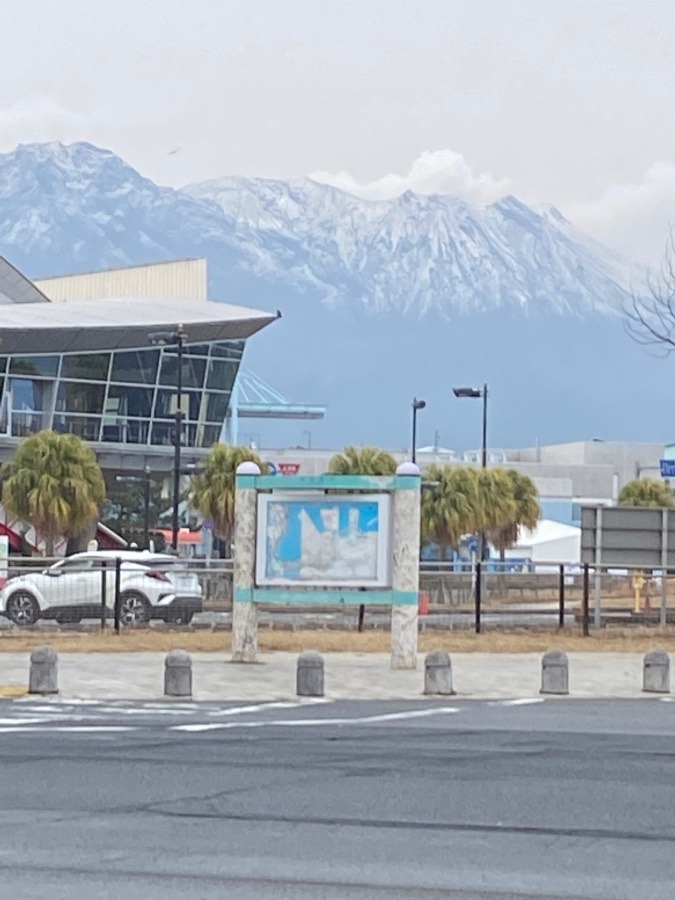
(139, 676)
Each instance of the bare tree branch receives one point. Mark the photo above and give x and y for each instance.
(649, 317)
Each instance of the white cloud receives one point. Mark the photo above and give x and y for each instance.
(633, 218)
(39, 119)
(433, 172)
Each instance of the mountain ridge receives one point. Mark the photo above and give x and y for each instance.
(382, 300)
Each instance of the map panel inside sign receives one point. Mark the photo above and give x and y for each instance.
(322, 540)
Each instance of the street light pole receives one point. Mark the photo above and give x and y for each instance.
(146, 508)
(177, 440)
(416, 405)
(478, 393)
(176, 339)
(485, 398)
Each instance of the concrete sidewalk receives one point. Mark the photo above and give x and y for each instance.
(364, 676)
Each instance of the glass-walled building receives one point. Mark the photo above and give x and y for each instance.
(121, 397)
(91, 368)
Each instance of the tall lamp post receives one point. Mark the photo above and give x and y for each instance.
(416, 406)
(175, 339)
(477, 393)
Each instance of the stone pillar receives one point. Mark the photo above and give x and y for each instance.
(438, 673)
(310, 674)
(178, 674)
(405, 569)
(43, 674)
(656, 672)
(244, 615)
(555, 678)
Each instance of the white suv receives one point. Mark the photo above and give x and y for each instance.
(152, 586)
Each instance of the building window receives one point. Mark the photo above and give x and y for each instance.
(130, 401)
(86, 427)
(73, 396)
(135, 366)
(165, 407)
(196, 350)
(216, 407)
(222, 374)
(86, 366)
(211, 434)
(36, 366)
(228, 349)
(193, 369)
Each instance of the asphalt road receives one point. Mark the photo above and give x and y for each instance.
(562, 799)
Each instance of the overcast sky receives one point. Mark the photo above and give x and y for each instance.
(553, 100)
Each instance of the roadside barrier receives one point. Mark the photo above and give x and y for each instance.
(438, 674)
(310, 674)
(43, 673)
(178, 674)
(555, 673)
(656, 672)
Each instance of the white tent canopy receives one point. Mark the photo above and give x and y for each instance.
(549, 542)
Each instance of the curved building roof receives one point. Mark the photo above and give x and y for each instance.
(30, 323)
(16, 288)
(75, 327)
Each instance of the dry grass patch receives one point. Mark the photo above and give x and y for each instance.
(633, 640)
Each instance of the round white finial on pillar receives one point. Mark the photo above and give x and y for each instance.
(248, 468)
(408, 468)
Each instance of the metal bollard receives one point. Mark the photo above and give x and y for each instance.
(656, 672)
(310, 674)
(178, 674)
(438, 673)
(43, 674)
(555, 673)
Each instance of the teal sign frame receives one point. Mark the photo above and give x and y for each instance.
(297, 594)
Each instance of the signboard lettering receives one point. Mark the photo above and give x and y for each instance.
(288, 468)
(668, 468)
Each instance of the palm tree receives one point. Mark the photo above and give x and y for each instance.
(213, 491)
(525, 510)
(362, 461)
(450, 510)
(54, 483)
(496, 504)
(647, 492)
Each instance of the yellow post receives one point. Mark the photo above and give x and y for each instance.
(638, 583)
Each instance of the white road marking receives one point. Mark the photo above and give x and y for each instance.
(213, 726)
(22, 721)
(356, 720)
(258, 707)
(76, 729)
(33, 729)
(522, 701)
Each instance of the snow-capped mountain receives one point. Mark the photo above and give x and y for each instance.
(382, 301)
(417, 253)
(80, 206)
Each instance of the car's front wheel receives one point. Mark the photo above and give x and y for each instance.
(134, 608)
(22, 608)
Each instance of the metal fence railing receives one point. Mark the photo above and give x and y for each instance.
(127, 590)
(550, 594)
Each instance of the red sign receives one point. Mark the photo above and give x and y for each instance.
(289, 468)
